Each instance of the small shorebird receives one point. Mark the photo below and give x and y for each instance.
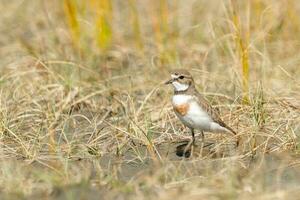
(192, 109)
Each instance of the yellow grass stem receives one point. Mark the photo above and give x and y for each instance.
(245, 68)
(103, 23)
(242, 42)
(71, 13)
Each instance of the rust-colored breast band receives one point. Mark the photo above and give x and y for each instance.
(182, 109)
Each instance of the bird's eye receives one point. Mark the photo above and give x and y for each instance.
(181, 77)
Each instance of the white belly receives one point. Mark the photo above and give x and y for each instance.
(196, 117)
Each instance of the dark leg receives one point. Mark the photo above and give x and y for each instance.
(202, 137)
(193, 136)
(188, 150)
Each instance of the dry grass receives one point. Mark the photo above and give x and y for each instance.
(84, 113)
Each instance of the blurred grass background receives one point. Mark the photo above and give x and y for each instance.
(246, 37)
(80, 80)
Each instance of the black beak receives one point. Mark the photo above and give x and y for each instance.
(169, 81)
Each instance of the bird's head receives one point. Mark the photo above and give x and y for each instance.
(181, 80)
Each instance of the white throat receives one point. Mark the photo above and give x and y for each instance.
(180, 86)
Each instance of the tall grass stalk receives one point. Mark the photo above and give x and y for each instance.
(103, 23)
(71, 13)
(242, 43)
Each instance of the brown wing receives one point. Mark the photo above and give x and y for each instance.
(214, 113)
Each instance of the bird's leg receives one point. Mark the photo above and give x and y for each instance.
(193, 136)
(202, 137)
(202, 142)
(191, 144)
(188, 150)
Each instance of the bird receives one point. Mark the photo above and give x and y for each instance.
(192, 109)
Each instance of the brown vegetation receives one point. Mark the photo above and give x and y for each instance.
(84, 113)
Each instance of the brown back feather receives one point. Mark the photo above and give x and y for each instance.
(214, 113)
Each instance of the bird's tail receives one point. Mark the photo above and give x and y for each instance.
(233, 132)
